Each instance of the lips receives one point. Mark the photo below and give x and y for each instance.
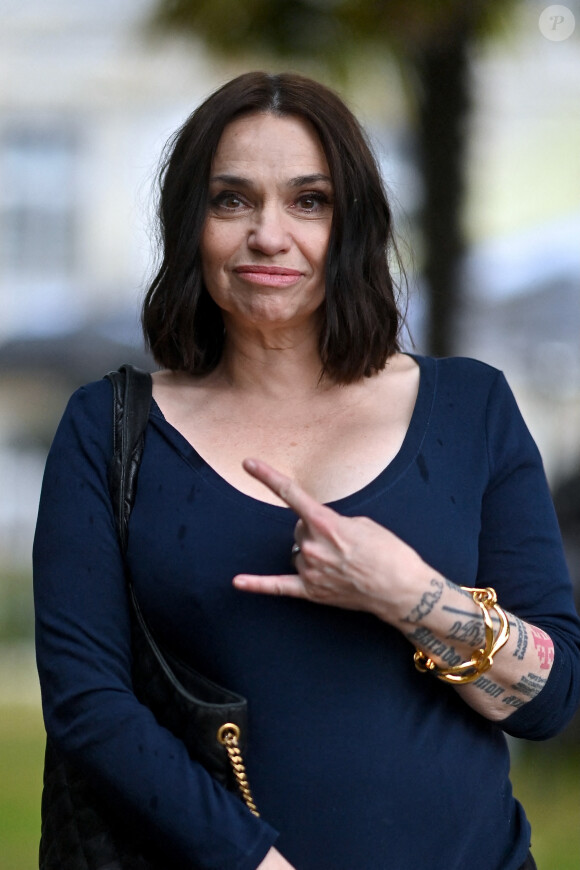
(273, 276)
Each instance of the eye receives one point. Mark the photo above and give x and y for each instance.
(227, 200)
(312, 202)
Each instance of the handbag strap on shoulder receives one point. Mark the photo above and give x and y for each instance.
(132, 390)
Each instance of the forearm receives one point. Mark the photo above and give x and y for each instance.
(275, 861)
(446, 624)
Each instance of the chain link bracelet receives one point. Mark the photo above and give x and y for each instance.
(482, 659)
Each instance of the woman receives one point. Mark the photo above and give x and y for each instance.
(391, 481)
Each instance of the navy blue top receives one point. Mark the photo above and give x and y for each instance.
(356, 760)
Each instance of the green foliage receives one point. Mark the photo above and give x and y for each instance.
(546, 780)
(327, 30)
(16, 607)
(21, 760)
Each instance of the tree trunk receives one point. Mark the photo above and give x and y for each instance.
(442, 77)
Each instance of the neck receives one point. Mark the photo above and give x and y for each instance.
(282, 364)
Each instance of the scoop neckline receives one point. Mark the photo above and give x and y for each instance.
(385, 479)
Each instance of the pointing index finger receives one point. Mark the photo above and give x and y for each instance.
(283, 486)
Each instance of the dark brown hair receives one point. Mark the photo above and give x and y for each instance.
(183, 326)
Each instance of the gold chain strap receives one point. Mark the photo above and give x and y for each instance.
(229, 735)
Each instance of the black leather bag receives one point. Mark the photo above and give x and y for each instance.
(79, 832)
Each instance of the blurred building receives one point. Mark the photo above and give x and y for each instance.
(87, 102)
(521, 307)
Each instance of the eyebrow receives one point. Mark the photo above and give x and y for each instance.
(297, 181)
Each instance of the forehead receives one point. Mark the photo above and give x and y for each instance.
(262, 142)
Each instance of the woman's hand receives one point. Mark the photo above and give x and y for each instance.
(349, 562)
(275, 861)
(355, 563)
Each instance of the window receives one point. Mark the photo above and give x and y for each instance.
(37, 205)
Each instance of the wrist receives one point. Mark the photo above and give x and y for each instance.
(481, 659)
(414, 582)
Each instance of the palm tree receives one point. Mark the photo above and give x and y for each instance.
(431, 41)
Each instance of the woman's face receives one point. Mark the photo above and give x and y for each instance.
(265, 240)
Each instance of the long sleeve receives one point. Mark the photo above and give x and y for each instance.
(333, 694)
(521, 555)
(84, 661)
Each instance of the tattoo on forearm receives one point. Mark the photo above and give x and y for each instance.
(530, 686)
(522, 642)
(427, 603)
(489, 687)
(512, 701)
(455, 588)
(426, 641)
(471, 633)
(458, 612)
(544, 647)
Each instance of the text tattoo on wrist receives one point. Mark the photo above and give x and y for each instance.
(426, 640)
(471, 632)
(513, 701)
(489, 687)
(522, 642)
(530, 685)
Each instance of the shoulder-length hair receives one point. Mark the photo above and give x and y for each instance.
(183, 326)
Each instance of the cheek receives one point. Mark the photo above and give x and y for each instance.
(216, 248)
(210, 261)
(210, 245)
(319, 246)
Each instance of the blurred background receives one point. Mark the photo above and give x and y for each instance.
(473, 109)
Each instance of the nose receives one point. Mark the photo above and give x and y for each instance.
(269, 231)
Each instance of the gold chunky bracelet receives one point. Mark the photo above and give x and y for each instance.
(482, 659)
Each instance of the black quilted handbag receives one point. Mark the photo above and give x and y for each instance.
(79, 832)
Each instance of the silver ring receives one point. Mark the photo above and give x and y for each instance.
(295, 551)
